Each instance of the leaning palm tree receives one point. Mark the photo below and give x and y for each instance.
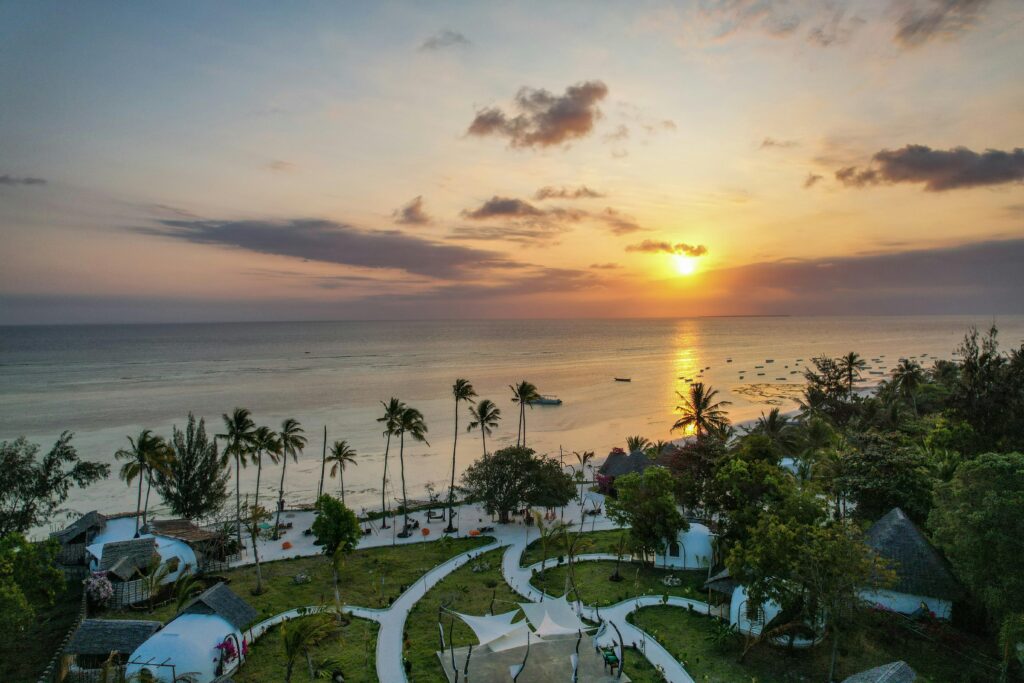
(392, 410)
(160, 463)
(341, 456)
(637, 444)
(410, 422)
(264, 442)
(485, 416)
(238, 434)
(462, 390)
(524, 394)
(700, 412)
(292, 441)
(851, 364)
(908, 378)
(146, 451)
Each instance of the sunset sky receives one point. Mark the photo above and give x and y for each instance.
(268, 161)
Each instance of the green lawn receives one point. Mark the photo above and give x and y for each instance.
(24, 655)
(353, 647)
(592, 581)
(592, 542)
(686, 636)
(465, 591)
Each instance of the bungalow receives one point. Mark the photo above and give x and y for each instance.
(691, 549)
(744, 617)
(618, 464)
(924, 579)
(204, 641)
(104, 642)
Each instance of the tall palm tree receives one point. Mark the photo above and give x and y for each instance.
(341, 456)
(145, 451)
(161, 462)
(292, 441)
(700, 412)
(238, 434)
(778, 428)
(908, 377)
(851, 364)
(410, 422)
(655, 449)
(637, 443)
(485, 416)
(462, 390)
(264, 442)
(392, 410)
(524, 394)
(583, 459)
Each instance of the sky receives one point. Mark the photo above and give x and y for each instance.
(196, 161)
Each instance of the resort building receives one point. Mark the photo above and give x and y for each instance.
(205, 640)
(104, 643)
(618, 464)
(749, 619)
(924, 579)
(691, 549)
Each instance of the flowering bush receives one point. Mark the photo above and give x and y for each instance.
(228, 650)
(98, 588)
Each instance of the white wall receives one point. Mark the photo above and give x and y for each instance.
(738, 617)
(694, 550)
(907, 603)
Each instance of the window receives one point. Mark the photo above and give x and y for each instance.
(673, 549)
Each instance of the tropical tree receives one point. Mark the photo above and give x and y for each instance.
(256, 517)
(237, 437)
(524, 394)
(410, 422)
(583, 459)
(851, 365)
(299, 635)
(337, 530)
(549, 534)
(146, 451)
(195, 482)
(779, 429)
(510, 477)
(293, 440)
(29, 579)
(908, 377)
(485, 416)
(462, 390)
(700, 412)
(646, 503)
(637, 444)
(392, 411)
(654, 449)
(153, 578)
(341, 456)
(264, 442)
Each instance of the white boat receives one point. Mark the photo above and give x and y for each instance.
(547, 401)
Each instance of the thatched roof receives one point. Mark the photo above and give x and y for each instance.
(619, 463)
(90, 520)
(181, 529)
(722, 582)
(893, 672)
(103, 636)
(222, 601)
(920, 569)
(123, 558)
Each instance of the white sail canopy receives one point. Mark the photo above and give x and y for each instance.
(490, 627)
(552, 617)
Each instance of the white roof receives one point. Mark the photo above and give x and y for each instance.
(490, 627)
(189, 643)
(123, 529)
(517, 637)
(552, 617)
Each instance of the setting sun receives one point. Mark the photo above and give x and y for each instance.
(684, 265)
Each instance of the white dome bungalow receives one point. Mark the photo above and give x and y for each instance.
(691, 549)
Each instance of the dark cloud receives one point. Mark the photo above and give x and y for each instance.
(812, 179)
(526, 222)
(24, 180)
(654, 247)
(537, 233)
(783, 144)
(938, 170)
(581, 192)
(412, 213)
(542, 119)
(278, 165)
(443, 39)
(834, 27)
(331, 242)
(504, 207)
(729, 17)
(619, 223)
(924, 21)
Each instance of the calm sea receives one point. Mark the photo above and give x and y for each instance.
(106, 382)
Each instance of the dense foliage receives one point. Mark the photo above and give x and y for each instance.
(645, 503)
(335, 526)
(194, 483)
(511, 477)
(29, 580)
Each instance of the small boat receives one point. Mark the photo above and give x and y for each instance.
(623, 379)
(547, 401)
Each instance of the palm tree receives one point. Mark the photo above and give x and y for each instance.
(486, 416)
(238, 434)
(908, 377)
(524, 394)
(851, 364)
(257, 515)
(548, 536)
(699, 411)
(264, 442)
(655, 449)
(299, 635)
(146, 451)
(637, 444)
(584, 460)
(778, 428)
(392, 410)
(161, 462)
(292, 443)
(342, 455)
(410, 422)
(462, 390)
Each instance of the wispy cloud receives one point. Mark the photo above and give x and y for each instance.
(921, 22)
(581, 192)
(812, 179)
(444, 39)
(768, 143)
(938, 170)
(279, 165)
(412, 213)
(23, 180)
(655, 247)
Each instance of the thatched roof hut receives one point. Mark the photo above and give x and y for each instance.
(124, 559)
(100, 637)
(920, 569)
(893, 672)
(225, 603)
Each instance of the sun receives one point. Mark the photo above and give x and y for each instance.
(685, 265)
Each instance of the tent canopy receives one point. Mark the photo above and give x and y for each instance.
(552, 617)
(490, 627)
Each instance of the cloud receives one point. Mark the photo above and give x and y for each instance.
(24, 180)
(782, 144)
(620, 133)
(619, 223)
(581, 192)
(542, 119)
(278, 165)
(538, 233)
(812, 180)
(938, 170)
(663, 125)
(924, 21)
(332, 242)
(412, 213)
(654, 247)
(605, 266)
(443, 39)
(505, 207)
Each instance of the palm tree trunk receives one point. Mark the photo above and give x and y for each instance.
(149, 487)
(384, 488)
(524, 425)
(238, 500)
(256, 558)
(280, 496)
(323, 462)
(259, 471)
(405, 502)
(337, 593)
(451, 487)
(138, 506)
(341, 475)
(483, 435)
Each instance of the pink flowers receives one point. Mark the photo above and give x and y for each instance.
(228, 650)
(98, 588)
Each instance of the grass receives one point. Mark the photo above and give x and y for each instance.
(465, 591)
(595, 588)
(687, 636)
(352, 647)
(371, 578)
(23, 658)
(593, 542)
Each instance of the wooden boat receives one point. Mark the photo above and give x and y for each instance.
(623, 379)
(547, 401)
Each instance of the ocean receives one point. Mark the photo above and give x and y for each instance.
(107, 382)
